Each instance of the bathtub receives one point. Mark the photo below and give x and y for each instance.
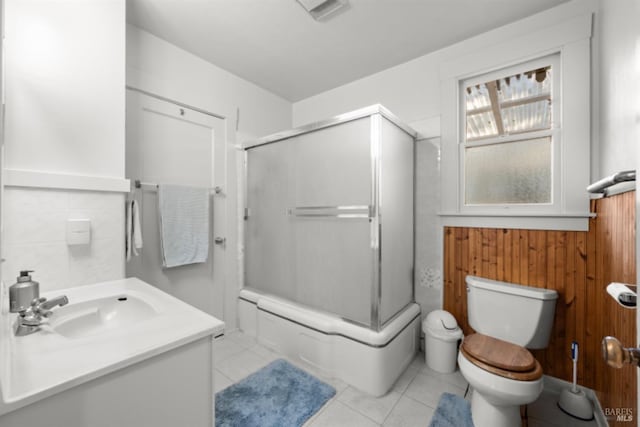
(365, 359)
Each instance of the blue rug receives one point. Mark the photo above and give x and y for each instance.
(277, 395)
(452, 411)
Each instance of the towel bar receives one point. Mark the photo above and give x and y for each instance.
(331, 211)
(139, 184)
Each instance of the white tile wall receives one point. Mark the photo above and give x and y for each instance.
(35, 236)
(428, 232)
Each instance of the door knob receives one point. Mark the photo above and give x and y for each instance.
(616, 355)
(220, 240)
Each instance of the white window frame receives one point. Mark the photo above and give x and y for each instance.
(555, 132)
(570, 208)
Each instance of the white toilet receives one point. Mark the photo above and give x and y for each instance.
(495, 362)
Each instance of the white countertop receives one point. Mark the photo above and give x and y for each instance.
(35, 366)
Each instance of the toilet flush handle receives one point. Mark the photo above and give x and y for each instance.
(616, 355)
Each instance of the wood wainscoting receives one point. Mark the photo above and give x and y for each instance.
(579, 265)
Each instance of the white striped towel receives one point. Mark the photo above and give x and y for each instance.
(184, 224)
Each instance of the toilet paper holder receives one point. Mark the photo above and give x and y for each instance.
(623, 294)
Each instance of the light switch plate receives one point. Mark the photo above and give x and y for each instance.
(78, 232)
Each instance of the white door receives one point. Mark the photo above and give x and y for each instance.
(170, 144)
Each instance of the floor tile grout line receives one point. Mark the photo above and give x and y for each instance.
(359, 413)
(422, 403)
(218, 371)
(313, 418)
(277, 355)
(365, 415)
(235, 353)
(242, 344)
(440, 376)
(392, 408)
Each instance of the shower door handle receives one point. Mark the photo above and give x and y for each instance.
(347, 211)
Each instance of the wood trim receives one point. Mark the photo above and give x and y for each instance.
(495, 105)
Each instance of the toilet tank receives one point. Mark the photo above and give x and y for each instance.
(519, 314)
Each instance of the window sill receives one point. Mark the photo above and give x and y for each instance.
(518, 220)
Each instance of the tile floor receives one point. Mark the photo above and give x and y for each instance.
(410, 403)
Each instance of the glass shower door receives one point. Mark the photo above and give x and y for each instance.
(308, 232)
(333, 255)
(268, 233)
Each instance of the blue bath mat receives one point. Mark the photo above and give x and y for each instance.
(452, 411)
(277, 395)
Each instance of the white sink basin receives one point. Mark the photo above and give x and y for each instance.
(98, 332)
(99, 315)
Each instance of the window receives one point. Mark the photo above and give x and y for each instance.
(509, 135)
(524, 160)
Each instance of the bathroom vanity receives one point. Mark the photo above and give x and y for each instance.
(120, 353)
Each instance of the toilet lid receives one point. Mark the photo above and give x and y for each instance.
(497, 353)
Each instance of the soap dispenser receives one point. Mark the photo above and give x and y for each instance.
(23, 292)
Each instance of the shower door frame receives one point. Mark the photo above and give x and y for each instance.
(375, 113)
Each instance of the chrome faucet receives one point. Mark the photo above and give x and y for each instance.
(30, 320)
(24, 299)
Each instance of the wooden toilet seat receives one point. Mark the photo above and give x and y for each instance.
(501, 357)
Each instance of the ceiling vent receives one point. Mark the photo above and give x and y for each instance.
(320, 9)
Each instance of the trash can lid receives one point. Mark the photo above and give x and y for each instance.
(440, 320)
(445, 335)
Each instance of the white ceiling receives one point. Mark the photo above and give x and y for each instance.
(278, 46)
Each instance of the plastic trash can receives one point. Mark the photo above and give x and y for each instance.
(441, 336)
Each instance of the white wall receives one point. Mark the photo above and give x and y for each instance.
(617, 96)
(412, 91)
(428, 231)
(64, 80)
(64, 119)
(35, 236)
(159, 67)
